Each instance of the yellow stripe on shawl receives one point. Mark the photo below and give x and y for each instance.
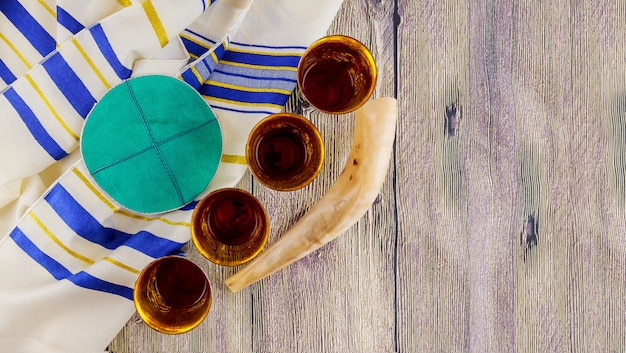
(91, 64)
(73, 253)
(121, 265)
(14, 49)
(155, 21)
(48, 9)
(119, 211)
(50, 107)
(259, 67)
(234, 159)
(52, 237)
(248, 89)
(245, 104)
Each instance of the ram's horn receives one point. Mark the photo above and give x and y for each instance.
(344, 203)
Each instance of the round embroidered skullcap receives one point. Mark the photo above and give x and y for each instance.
(152, 144)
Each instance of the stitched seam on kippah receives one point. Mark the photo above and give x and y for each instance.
(159, 143)
(120, 160)
(187, 132)
(158, 151)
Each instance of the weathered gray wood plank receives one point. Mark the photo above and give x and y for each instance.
(541, 87)
(433, 278)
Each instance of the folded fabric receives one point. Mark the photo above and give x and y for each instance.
(78, 252)
(44, 109)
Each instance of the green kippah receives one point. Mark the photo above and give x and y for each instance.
(152, 144)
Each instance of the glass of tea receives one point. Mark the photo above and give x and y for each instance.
(172, 295)
(285, 151)
(337, 74)
(230, 226)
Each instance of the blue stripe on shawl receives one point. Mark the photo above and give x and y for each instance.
(219, 52)
(274, 47)
(200, 35)
(5, 73)
(107, 51)
(244, 97)
(34, 125)
(261, 59)
(87, 227)
(257, 74)
(264, 112)
(242, 79)
(86, 280)
(40, 39)
(191, 79)
(66, 20)
(254, 75)
(69, 83)
(190, 206)
(204, 68)
(193, 47)
(59, 272)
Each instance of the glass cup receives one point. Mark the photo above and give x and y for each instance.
(172, 295)
(337, 74)
(229, 227)
(285, 151)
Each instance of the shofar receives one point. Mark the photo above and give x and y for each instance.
(344, 203)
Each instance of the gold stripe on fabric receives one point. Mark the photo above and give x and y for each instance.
(121, 265)
(52, 237)
(50, 107)
(85, 259)
(14, 49)
(248, 89)
(48, 9)
(119, 211)
(197, 74)
(155, 21)
(229, 101)
(214, 56)
(125, 3)
(91, 63)
(193, 40)
(95, 191)
(233, 159)
(260, 67)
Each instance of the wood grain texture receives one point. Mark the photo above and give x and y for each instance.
(442, 262)
(539, 85)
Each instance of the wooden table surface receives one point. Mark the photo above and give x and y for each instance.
(441, 263)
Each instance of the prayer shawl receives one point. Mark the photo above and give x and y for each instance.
(69, 253)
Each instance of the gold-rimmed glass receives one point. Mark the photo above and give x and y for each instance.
(172, 295)
(337, 74)
(285, 151)
(229, 226)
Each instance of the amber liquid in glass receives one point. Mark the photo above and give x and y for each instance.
(179, 284)
(229, 227)
(328, 84)
(281, 154)
(337, 74)
(233, 220)
(285, 151)
(172, 295)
